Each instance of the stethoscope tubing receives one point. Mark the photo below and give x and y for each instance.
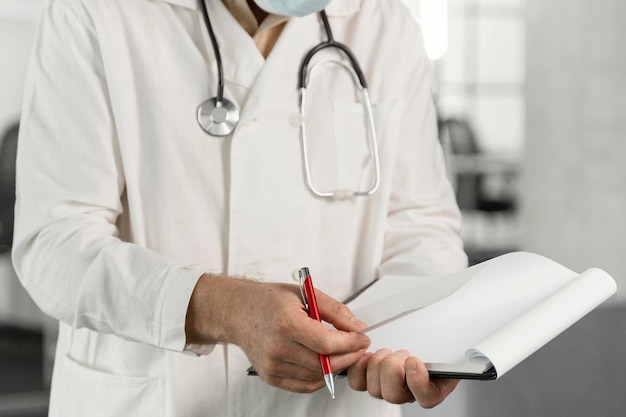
(218, 116)
(330, 43)
(216, 51)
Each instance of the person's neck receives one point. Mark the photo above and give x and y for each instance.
(259, 13)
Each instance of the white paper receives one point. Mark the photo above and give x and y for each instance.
(487, 297)
(542, 323)
(396, 295)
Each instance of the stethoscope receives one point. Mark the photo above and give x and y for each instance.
(218, 116)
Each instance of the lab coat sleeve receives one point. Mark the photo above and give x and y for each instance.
(70, 181)
(423, 227)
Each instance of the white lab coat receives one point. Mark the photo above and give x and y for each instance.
(123, 201)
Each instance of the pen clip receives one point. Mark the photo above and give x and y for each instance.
(303, 273)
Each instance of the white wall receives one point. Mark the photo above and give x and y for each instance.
(574, 188)
(482, 76)
(573, 198)
(17, 30)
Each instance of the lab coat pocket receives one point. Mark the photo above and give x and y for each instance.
(91, 392)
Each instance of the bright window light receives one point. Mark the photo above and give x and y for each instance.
(432, 16)
(435, 26)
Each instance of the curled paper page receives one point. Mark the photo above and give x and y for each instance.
(505, 308)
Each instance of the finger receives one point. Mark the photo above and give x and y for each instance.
(317, 337)
(428, 392)
(306, 364)
(373, 373)
(301, 343)
(392, 378)
(344, 361)
(287, 370)
(282, 346)
(297, 353)
(310, 360)
(357, 373)
(337, 313)
(295, 385)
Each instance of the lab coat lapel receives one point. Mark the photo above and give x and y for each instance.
(278, 78)
(244, 67)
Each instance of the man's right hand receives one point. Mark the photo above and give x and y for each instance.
(269, 322)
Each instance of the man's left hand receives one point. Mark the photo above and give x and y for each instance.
(398, 377)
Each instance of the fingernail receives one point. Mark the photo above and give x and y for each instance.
(366, 342)
(359, 323)
(410, 365)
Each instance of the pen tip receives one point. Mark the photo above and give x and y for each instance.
(330, 384)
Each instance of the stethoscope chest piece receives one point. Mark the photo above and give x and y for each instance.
(218, 118)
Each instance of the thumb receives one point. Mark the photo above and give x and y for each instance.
(337, 313)
(428, 392)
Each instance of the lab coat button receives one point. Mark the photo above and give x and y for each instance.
(295, 120)
(191, 267)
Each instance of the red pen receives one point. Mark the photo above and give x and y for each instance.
(310, 303)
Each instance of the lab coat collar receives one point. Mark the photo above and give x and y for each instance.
(278, 76)
(241, 58)
(244, 64)
(337, 8)
(343, 8)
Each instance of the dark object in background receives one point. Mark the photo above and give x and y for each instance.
(481, 188)
(8, 152)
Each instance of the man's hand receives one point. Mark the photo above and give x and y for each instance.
(269, 322)
(398, 377)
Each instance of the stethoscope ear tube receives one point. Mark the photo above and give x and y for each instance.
(359, 79)
(302, 80)
(216, 52)
(330, 43)
(341, 194)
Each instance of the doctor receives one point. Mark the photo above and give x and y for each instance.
(168, 254)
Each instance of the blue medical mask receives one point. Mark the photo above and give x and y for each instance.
(296, 8)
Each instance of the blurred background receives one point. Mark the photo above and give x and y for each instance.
(532, 115)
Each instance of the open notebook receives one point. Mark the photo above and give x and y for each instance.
(482, 321)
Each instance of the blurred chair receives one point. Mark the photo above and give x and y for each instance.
(486, 190)
(482, 181)
(8, 151)
(18, 309)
